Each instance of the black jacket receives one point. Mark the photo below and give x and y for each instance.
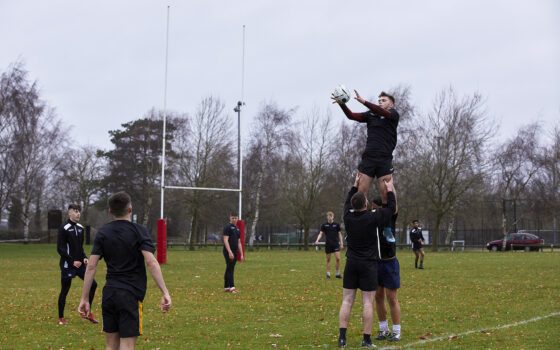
(70, 243)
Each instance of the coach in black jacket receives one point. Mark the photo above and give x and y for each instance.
(362, 255)
(73, 260)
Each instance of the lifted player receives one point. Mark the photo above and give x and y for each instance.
(333, 242)
(377, 159)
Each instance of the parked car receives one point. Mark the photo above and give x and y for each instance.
(519, 241)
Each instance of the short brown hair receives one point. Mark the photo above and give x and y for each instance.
(119, 203)
(383, 93)
(75, 207)
(330, 213)
(358, 200)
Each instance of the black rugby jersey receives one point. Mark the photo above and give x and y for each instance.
(70, 243)
(234, 235)
(121, 243)
(331, 233)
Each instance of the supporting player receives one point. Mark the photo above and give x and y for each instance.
(377, 159)
(333, 242)
(73, 260)
(389, 281)
(232, 245)
(417, 239)
(361, 257)
(125, 247)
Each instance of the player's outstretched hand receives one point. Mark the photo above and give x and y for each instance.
(357, 181)
(165, 303)
(358, 97)
(334, 99)
(84, 308)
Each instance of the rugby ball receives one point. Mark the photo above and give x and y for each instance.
(341, 94)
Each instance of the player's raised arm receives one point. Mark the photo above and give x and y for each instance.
(373, 107)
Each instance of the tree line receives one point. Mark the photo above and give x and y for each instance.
(449, 165)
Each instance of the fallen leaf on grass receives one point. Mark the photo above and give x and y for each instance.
(275, 335)
(425, 335)
(452, 336)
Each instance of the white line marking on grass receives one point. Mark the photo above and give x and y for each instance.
(538, 318)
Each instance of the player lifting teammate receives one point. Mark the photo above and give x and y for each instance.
(333, 242)
(377, 159)
(362, 255)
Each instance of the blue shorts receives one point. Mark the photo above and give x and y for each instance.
(388, 274)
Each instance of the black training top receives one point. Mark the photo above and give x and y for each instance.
(362, 239)
(382, 133)
(388, 249)
(234, 235)
(70, 243)
(382, 128)
(331, 233)
(415, 235)
(121, 243)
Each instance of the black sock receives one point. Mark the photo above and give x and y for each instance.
(342, 333)
(367, 337)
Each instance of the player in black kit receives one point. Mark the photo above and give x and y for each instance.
(389, 280)
(417, 239)
(125, 247)
(232, 245)
(333, 242)
(377, 159)
(73, 260)
(362, 255)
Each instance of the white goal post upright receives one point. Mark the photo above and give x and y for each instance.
(162, 223)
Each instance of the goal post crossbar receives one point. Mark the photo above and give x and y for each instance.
(203, 188)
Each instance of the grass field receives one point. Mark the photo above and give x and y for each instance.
(287, 303)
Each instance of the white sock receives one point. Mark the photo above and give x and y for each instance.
(384, 326)
(337, 273)
(232, 288)
(328, 273)
(397, 328)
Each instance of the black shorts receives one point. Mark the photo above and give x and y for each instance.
(360, 274)
(388, 274)
(71, 271)
(416, 246)
(122, 312)
(376, 166)
(332, 248)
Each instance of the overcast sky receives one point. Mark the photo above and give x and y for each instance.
(101, 63)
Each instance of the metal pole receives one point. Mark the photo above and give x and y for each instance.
(164, 116)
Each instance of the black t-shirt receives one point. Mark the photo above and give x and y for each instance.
(233, 234)
(362, 239)
(415, 235)
(121, 243)
(331, 233)
(388, 249)
(382, 133)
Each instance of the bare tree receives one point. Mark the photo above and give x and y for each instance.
(453, 157)
(204, 156)
(518, 162)
(81, 174)
(306, 166)
(270, 133)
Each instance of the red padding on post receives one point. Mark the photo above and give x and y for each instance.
(241, 226)
(162, 241)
